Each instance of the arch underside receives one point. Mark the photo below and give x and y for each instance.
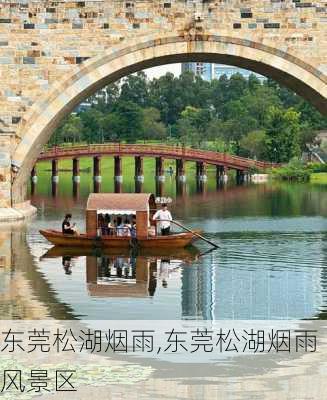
(45, 116)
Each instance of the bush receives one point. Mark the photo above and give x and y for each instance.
(295, 170)
(317, 167)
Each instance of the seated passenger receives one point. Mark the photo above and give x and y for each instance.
(67, 227)
(111, 226)
(106, 224)
(120, 229)
(152, 231)
(127, 226)
(101, 224)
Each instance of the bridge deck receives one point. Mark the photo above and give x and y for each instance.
(168, 152)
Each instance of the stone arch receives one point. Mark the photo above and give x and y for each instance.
(45, 115)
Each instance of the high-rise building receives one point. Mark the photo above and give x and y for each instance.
(199, 68)
(229, 70)
(210, 71)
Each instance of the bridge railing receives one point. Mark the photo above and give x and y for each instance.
(154, 150)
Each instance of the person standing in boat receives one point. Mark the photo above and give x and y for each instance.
(67, 227)
(163, 218)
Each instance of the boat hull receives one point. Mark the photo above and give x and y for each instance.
(178, 240)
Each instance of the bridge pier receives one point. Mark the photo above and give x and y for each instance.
(96, 187)
(240, 177)
(201, 171)
(180, 170)
(139, 186)
(160, 173)
(180, 188)
(76, 170)
(76, 178)
(225, 174)
(97, 174)
(55, 171)
(118, 186)
(54, 188)
(76, 189)
(139, 169)
(55, 178)
(201, 186)
(160, 184)
(219, 173)
(118, 169)
(97, 169)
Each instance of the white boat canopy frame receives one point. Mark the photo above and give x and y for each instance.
(117, 212)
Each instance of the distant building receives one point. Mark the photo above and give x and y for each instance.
(199, 68)
(210, 71)
(229, 70)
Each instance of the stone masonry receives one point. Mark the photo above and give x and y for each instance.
(53, 54)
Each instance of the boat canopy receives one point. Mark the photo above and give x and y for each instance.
(117, 212)
(120, 203)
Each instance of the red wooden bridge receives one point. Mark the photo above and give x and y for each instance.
(162, 151)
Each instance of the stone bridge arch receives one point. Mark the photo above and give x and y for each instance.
(45, 115)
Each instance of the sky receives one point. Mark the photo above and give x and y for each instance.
(155, 72)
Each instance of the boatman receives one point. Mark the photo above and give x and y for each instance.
(163, 217)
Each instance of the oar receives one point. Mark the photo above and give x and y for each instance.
(197, 234)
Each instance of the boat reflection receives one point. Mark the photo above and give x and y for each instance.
(118, 276)
(119, 273)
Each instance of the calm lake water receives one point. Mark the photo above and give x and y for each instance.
(272, 263)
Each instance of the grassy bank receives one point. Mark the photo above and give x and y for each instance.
(297, 171)
(319, 177)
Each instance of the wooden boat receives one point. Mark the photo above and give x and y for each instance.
(177, 240)
(141, 206)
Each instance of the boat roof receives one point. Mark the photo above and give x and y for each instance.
(119, 201)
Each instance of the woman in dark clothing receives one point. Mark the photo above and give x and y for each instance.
(67, 227)
(107, 223)
(101, 224)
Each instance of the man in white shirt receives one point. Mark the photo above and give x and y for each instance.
(163, 217)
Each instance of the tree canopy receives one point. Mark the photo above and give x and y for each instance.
(249, 117)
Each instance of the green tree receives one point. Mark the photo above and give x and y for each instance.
(129, 121)
(196, 120)
(91, 121)
(152, 127)
(165, 96)
(282, 130)
(135, 89)
(254, 144)
(70, 131)
(257, 102)
(111, 126)
(188, 134)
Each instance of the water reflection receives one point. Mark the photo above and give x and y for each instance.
(272, 263)
(116, 274)
(120, 276)
(255, 275)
